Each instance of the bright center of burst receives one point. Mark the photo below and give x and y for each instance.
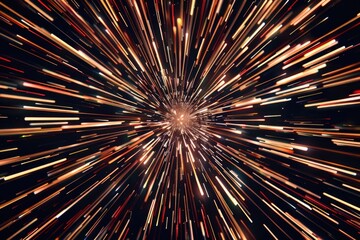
(181, 118)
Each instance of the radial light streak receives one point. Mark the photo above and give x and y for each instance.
(179, 119)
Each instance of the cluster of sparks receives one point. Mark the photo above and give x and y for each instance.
(191, 119)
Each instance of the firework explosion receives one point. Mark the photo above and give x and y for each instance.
(190, 120)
